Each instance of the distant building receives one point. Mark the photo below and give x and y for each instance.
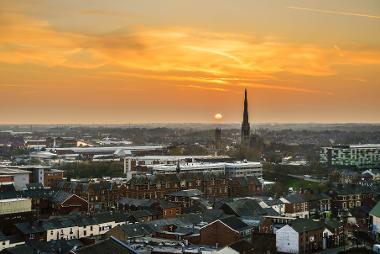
(361, 156)
(20, 177)
(52, 176)
(42, 174)
(232, 169)
(245, 127)
(218, 139)
(61, 142)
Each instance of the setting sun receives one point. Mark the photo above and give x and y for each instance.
(218, 116)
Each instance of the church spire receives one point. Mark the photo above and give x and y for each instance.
(245, 127)
(245, 114)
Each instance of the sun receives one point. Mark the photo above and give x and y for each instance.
(218, 116)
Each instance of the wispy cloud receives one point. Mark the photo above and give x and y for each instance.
(103, 12)
(334, 12)
(201, 59)
(206, 88)
(286, 88)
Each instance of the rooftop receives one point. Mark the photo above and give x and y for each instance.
(12, 171)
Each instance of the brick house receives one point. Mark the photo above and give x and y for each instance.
(244, 186)
(65, 203)
(224, 231)
(52, 176)
(348, 197)
(296, 205)
(164, 208)
(184, 198)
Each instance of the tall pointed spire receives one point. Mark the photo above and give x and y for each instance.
(245, 114)
(245, 127)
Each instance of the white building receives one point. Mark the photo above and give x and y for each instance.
(20, 177)
(351, 155)
(240, 168)
(302, 236)
(287, 240)
(72, 227)
(235, 169)
(9, 242)
(15, 205)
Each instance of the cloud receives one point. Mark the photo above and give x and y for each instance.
(206, 88)
(175, 54)
(286, 88)
(103, 13)
(334, 12)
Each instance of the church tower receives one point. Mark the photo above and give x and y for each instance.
(245, 127)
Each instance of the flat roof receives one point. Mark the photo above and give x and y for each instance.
(353, 146)
(13, 171)
(12, 200)
(107, 148)
(178, 157)
(201, 165)
(365, 146)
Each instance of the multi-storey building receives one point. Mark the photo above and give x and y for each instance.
(105, 194)
(157, 186)
(349, 197)
(361, 156)
(230, 169)
(296, 205)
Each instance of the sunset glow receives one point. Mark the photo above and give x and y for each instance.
(153, 61)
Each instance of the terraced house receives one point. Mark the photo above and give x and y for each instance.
(71, 227)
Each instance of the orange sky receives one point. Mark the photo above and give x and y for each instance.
(71, 61)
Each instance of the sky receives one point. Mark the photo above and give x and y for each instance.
(162, 61)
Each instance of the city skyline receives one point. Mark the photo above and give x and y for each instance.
(167, 61)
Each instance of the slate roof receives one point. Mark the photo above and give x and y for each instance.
(235, 223)
(241, 246)
(185, 221)
(142, 213)
(136, 202)
(57, 246)
(302, 225)
(187, 193)
(110, 245)
(349, 190)
(21, 249)
(332, 224)
(33, 193)
(295, 198)
(40, 226)
(245, 208)
(60, 196)
(213, 214)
